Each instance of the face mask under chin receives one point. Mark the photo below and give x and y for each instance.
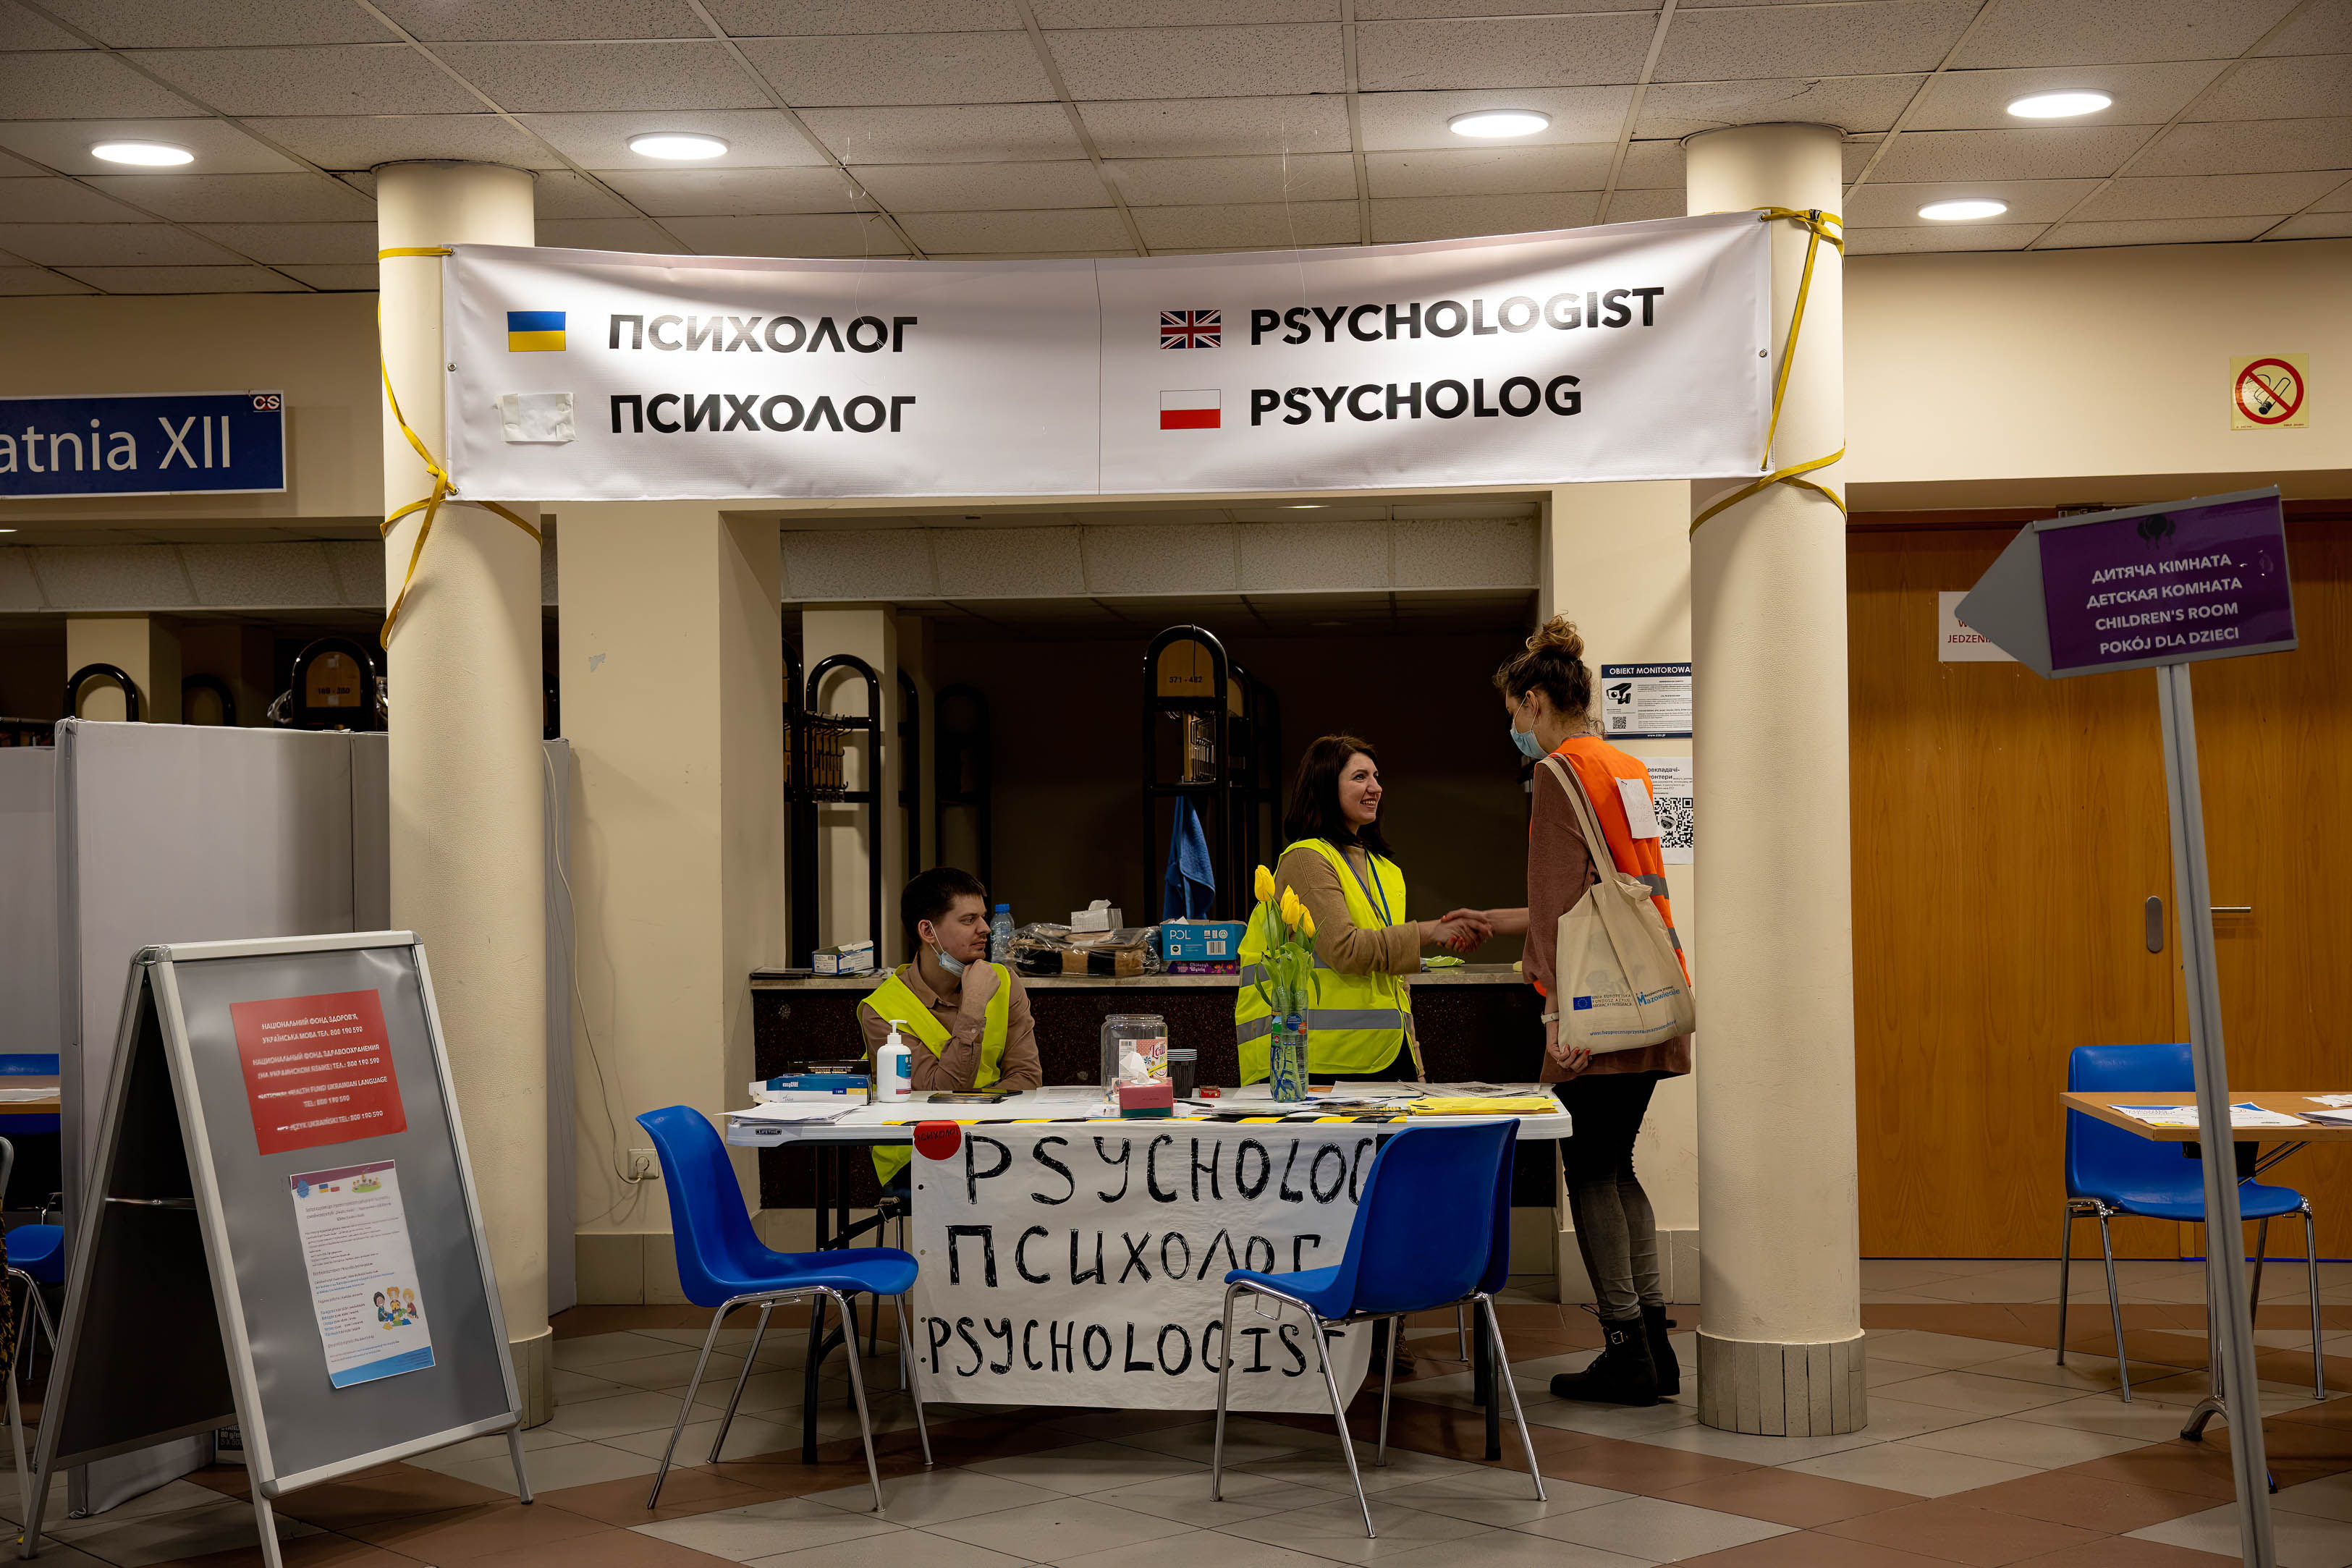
(950, 963)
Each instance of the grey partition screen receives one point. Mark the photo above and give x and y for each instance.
(282, 1124)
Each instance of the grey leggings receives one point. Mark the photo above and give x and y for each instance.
(1615, 1229)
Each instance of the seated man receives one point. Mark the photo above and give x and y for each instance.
(965, 1021)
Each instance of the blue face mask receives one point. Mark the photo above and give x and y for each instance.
(950, 963)
(1529, 747)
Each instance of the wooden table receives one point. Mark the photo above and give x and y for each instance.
(51, 1107)
(2295, 1103)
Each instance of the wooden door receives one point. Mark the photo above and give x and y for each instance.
(2006, 833)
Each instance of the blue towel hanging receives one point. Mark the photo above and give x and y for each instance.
(1190, 887)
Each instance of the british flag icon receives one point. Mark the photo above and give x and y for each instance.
(1191, 329)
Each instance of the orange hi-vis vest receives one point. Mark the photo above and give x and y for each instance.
(1599, 766)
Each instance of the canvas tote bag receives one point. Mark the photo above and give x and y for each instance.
(1617, 982)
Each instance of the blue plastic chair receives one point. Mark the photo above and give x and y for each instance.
(722, 1265)
(1433, 1229)
(2111, 1172)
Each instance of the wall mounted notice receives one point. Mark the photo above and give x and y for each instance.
(318, 1070)
(1624, 352)
(1645, 702)
(2271, 392)
(1085, 1265)
(363, 1273)
(1673, 795)
(166, 444)
(1957, 641)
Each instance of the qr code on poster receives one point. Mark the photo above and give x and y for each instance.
(1675, 821)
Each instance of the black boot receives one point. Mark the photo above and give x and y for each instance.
(1662, 1352)
(1623, 1374)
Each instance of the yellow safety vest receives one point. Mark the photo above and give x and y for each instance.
(892, 999)
(1356, 1024)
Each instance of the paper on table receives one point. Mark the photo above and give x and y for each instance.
(20, 1096)
(790, 1111)
(2338, 1100)
(2243, 1114)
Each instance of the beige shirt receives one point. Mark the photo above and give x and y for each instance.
(955, 1065)
(1339, 942)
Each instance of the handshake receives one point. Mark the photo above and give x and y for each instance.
(1459, 932)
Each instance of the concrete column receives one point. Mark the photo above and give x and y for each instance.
(672, 677)
(468, 872)
(845, 843)
(1781, 1339)
(144, 647)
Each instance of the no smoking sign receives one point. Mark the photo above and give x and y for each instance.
(2269, 393)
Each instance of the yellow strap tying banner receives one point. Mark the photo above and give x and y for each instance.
(1820, 226)
(443, 491)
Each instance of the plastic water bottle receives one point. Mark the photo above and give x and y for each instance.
(1000, 936)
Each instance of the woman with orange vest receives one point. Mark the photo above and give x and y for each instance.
(1548, 691)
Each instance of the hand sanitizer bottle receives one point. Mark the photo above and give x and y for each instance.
(894, 1067)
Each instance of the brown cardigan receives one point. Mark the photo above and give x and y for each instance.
(1350, 948)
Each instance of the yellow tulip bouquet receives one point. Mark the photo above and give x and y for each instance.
(1285, 934)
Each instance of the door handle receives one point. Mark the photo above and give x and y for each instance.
(2155, 924)
(2233, 909)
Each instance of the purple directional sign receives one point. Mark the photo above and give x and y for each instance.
(2123, 589)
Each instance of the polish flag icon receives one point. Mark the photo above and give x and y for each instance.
(1190, 410)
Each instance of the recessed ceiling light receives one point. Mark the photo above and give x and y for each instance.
(2059, 105)
(676, 145)
(1961, 211)
(1490, 123)
(151, 154)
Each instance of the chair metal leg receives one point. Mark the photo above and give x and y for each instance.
(2262, 1253)
(1388, 1381)
(684, 1409)
(24, 1466)
(1224, 1367)
(857, 1395)
(741, 1378)
(2311, 1254)
(907, 1378)
(1462, 1333)
(1511, 1386)
(2065, 1267)
(1339, 1418)
(2115, 1305)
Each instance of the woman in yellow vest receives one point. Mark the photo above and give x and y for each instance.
(965, 1021)
(1359, 1014)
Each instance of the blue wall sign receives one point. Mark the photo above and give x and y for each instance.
(139, 444)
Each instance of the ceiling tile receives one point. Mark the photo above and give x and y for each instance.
(21, 281)
(2159, 231)
(340, 79)
(438, 21)
(1393, 10)
(1940, 237)
(1488, 171)
(361, 142)
(2320, 30)
(309, 243)
(2315, 225)
(2280, 89)
(65, 144)
(1632, 207)
(1651, 166)
(1217, 127)
(735, 193)
(969, 133)
(1881, 37)
(81, 85)
(568, 79)
(1249, 226)
(2339, 200)
(1159, 62)
(755, 138)
(1890, 205)
(1454, 217)
(2053, 152)
(606, 234)
(1216, 181)
(798, 18)
(104, 245)
(2144, 94)
(51, 200)
(239, 198)
(983, 187)
(211, 24)
(1564, 51)
(2208, 196)
(20, 29)
(967, 233)
(2250, 147)
(1182, 12)
(825, 234)
(1859, 104)
(1857, 152)
(560, 193)
(1403, 121)
(2098, 32)
(902, 68)
(186, 279)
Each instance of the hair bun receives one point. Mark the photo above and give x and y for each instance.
(1558, 635)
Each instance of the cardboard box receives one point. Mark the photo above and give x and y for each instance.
(849, 958)
(1200, 941)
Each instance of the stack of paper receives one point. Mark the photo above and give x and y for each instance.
(1498, 1105)
(2243, 1114)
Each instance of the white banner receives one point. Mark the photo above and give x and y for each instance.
(1628, 351)
(1077, 1263)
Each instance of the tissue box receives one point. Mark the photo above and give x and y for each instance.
(797, 1088)
(1200, 941)
(849, 958)
(1154, 1099)
(1101, 916)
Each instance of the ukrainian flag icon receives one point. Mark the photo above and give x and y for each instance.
(530, 332)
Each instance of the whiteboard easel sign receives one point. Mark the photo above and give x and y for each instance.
(1957, 643)
(1645, 702)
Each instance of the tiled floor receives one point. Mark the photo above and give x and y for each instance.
(1981, 1451)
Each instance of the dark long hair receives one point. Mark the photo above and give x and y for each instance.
(1314, 798)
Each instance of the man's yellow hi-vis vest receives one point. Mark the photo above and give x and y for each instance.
(1356, 1024)
(892, 999)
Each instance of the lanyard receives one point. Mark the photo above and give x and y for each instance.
(1371, 883)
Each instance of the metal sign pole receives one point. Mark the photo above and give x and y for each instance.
(2230, 1328)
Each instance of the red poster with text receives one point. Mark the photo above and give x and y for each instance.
(318, 1070)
